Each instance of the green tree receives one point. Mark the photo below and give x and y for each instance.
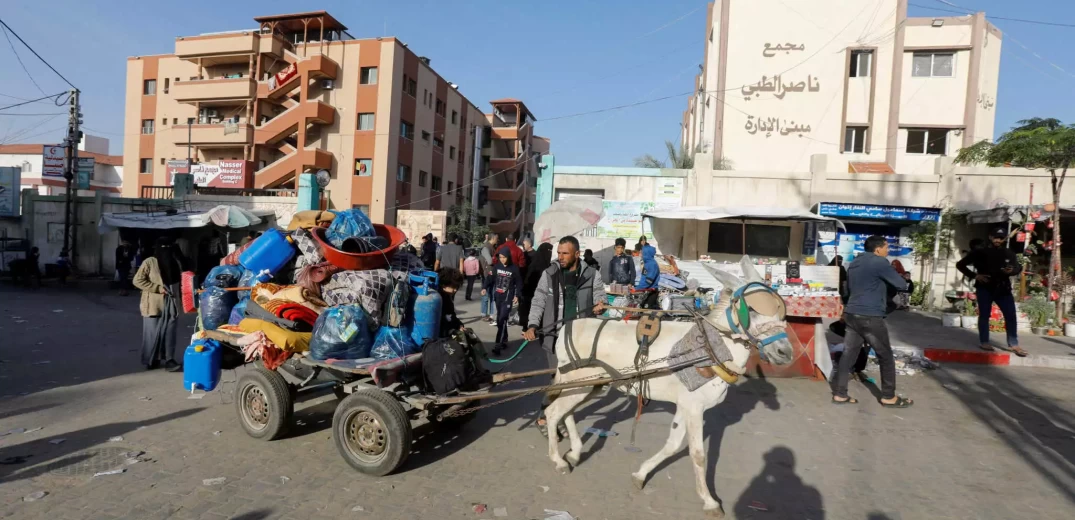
(679, 158)
(1036, 143)
(460, 216)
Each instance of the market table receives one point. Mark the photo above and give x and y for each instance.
(807, 335)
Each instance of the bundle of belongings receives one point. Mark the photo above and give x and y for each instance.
(308, 306)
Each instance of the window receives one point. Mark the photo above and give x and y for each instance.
(436, 183)
(931, 142)
(364, 208)
(162, 161)
(451, 152)
(190, 120)
(145, 165)
(147, 126)
(451, 186)
(855, 139)
(149, 87)
(440, 108)
(860, 64)
(425, 136)
(363, 167)
(406, 130)
(423, 177)
(403, 174)
(166, 80)
(933, 65)
(412, 87)
(438, 142)
(425, 96)
(761, 240)
(455, 117)
(368, 76)
(175, 120)
(164, 121)
(365, 121)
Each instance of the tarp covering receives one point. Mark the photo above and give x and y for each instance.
(737, 212)
(567, 217)
(223, 215)
(1003, 214)
(669, 230)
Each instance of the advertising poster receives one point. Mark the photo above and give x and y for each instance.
(10, 181)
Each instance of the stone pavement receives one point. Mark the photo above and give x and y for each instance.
(981, 442)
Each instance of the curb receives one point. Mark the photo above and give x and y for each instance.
(972, 357)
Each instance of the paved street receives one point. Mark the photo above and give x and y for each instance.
(989, 443)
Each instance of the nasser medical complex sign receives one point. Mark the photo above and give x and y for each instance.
(221, 174)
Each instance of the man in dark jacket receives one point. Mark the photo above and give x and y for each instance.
(868, 277)
(994, 267)
(621, 269)
(504, 287)
(568, 290)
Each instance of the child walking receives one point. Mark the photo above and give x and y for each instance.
(504, 286)
(471, 268)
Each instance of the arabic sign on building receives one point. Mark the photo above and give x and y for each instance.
(669, 191)
(222, 174)
(623, 218)
(52, 158)
(85, 172)
(870, 211)
(10, 181)
(180, 166)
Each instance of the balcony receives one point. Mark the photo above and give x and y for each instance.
(208, 136)
(239, 43)
(216, 90)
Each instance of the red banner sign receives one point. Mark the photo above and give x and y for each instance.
(286, 74)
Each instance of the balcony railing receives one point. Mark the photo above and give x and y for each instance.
(215, 89)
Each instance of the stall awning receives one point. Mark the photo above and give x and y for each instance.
(224, 216)
(738, 213)
(1003, 214)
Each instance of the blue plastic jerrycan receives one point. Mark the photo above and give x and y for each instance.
(201, 365)
(268, 254)
(427, 307)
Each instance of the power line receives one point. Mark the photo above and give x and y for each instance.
(48, 114)
(31, 101)
(21, 64)
(47, 64)
(991, 17)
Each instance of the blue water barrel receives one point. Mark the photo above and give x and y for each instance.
(201, 365)
(268, 254)
(426, 307)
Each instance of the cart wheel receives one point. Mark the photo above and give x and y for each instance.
(264, 404)
(458, 421)
(372, 432)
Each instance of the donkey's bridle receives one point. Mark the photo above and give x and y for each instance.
(739, 320)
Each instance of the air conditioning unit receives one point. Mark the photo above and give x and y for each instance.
(328, 84)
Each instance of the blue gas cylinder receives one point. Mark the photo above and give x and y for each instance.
(268, 254)
(201, 365)
(426, 308)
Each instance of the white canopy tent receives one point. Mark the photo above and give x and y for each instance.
(669, 225)
(224, 216)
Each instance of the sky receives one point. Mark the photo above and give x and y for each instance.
(561, 57)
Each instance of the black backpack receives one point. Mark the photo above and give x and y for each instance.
(446, 365)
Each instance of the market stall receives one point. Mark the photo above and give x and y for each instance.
(810, 291)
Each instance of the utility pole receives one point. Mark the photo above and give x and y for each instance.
(74, 136)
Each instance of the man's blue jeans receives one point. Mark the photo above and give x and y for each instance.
(1006, 302)
(487, 306)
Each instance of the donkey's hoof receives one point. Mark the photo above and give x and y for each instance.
(564, 470)
(572, 458)
(639, 482)
(716, 512)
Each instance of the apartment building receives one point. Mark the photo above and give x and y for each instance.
(509, 167)
(106, 176)
(856, 80)
(254, 108)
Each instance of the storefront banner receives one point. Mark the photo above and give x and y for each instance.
(872, 212)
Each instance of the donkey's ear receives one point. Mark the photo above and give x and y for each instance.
(730, 281)
(750, 273)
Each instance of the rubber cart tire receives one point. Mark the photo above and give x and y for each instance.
(264, 404)
(372, 432)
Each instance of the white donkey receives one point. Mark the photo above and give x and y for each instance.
(616, 349)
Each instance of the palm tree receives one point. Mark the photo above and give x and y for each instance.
(679, 158)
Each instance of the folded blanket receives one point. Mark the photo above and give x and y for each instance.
(253, 310)
(292, 311)
(284, 339)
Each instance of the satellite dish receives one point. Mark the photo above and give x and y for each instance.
(323, 178)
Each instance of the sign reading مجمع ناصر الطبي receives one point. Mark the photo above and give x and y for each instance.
(52, 158)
